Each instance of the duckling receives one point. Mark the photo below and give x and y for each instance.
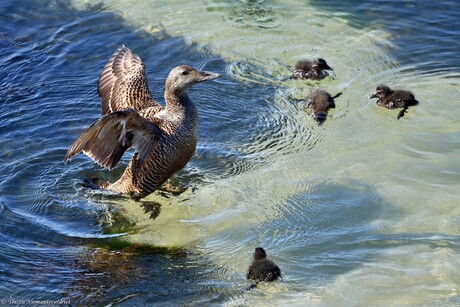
(164, 138)
(393, 99)
(314, 70)
(319, 102)
(261, 268)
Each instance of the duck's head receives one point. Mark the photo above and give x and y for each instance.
(182, 77)
(321, 64)
(259, 253)
(381, 91)
(320, 117)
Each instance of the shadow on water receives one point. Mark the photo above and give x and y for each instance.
(313, 220)
(322, 232)
(140, 275)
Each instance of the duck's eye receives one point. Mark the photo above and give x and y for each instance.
(185, 72)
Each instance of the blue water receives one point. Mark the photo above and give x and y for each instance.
(424, 32)
(63, 242)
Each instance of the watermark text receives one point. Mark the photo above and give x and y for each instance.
(16, 301)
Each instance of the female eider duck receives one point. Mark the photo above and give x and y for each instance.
(314, 70)
(319, 102)
(261, 268)
(393, 99)
(164, 137)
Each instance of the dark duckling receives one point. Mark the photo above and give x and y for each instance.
(319, 102)
(393, 99)
(314, 70)
(164, 137)
(262, 269)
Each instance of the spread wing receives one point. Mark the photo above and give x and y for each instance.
(123, 83)
(106, 140)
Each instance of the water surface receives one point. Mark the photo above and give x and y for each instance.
(363, 209)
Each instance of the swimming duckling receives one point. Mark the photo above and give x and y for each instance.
(393, 99)
(261, 268)
(314, 70)
(319, 102)
(164, 137)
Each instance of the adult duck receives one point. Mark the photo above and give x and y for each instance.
(164, 137)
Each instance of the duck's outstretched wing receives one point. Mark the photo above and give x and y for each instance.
(106, 140)
(123, 83)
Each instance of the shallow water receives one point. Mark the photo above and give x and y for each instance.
(363, 209)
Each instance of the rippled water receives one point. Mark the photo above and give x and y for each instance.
(359, 211)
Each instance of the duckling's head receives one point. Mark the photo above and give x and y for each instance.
(259, 253)
(381, 91)
(321, 64)
(320, 117)
(182, 77)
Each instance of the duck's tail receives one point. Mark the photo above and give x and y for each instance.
(95, 183)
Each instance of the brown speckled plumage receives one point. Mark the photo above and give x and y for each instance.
(314, 69)
(123, 83)
(164, 137)
(261, 268)
(319, 102)
(393, 99)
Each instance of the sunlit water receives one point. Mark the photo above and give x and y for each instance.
(363, 210)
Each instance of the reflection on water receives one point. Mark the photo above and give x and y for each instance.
(361, 209)
(146, 274)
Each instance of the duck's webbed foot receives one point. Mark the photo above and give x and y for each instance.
(336, 95)
(401, 113)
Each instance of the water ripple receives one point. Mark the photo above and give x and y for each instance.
(356, 197)
(257, 14)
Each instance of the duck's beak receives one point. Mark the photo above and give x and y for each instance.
(206, 75)
(327, 67)
(373, 95)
